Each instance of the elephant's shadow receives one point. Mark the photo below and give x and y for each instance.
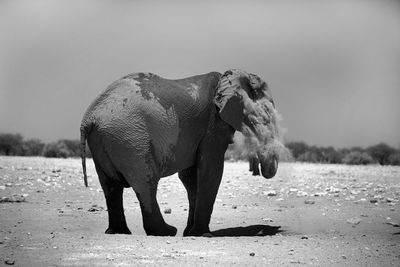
(252, 230)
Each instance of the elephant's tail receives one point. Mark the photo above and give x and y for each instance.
(83, 153)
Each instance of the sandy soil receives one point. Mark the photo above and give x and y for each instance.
(308, 214)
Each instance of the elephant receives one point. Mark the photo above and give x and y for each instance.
(144, 127)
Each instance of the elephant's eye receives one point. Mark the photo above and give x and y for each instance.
(255, 94)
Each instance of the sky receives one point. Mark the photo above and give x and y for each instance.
(333, 66)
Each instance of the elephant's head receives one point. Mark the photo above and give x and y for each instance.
(245, 102)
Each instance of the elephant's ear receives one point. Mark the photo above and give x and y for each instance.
(230, 98)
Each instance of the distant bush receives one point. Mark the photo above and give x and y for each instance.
(15, 145)
(73, 146)
(10, 144)
(32, 147)
(297, 148)
(308, 156)
(357, 158)
(56, 150)
(394, 159)
(381, 153)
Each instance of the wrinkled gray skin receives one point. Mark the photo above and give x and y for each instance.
(144, 127)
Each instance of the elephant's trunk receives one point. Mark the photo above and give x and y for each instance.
(268, 162)
(269, 166)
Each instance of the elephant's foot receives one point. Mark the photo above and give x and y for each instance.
(116, 230)
(166, 230)
(199, 232)
(186, 231)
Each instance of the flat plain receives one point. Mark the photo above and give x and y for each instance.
(308, 214)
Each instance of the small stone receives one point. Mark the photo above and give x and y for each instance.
(270, 193)
(9, 262)
(344, 257)
(252, 254)
(302, 194)
(95, 208)
(388, 199)
(167, 211)
(304, 237)
(234, 207)
(354, 221)
(309, 201)
(393, 224)
(267, 220)
(373, 200)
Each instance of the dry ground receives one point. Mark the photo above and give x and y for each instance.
(329, 215)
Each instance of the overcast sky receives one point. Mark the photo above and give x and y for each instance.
(333, 66)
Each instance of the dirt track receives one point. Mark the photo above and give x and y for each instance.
(329, 215)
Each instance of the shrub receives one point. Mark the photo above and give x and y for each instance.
(32, 147)
(394, 159)
(308, 156)
(56, 150)
(297, 148)
(74, 147)
(381, 153)
(10, 144)
(357, 158)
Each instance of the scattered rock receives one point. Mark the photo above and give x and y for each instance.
(304, 237)
(360, 200)
(14, 199)
(354, 221)
(373, 200)
(302, 194)
(393, 224)
(167, 211)
(388, 199)
(309, 201)
(252, 254)
(270, 193)
(95, 208)
(9, 262)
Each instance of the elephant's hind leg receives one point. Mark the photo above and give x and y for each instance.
(153, 221)
(113, 191)
(189, 180)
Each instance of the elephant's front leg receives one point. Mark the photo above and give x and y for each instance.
(189, 180)
(209, 173)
